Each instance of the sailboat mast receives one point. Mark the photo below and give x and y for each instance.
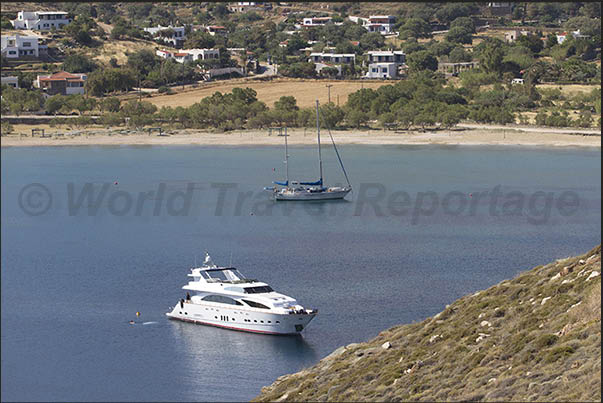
(287, 159)
(319, 153)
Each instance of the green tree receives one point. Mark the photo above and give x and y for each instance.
(143, 61)
(330, 115)
(458, 55)
(464, 22)
(54, 103)
(78, 63)
(199, 40)
(459, 35)
(371, 41)
(286, 103)
(532, 42)
(422, 60)
(415, 28)
(491, 57)
(110, 104)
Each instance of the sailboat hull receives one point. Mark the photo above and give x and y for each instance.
(295, 195)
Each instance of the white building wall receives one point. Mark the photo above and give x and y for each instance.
(41, 20)
(382, 70)
(178, 35)
(11, 81)
(16, 46)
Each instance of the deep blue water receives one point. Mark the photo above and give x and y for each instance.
(72, 281)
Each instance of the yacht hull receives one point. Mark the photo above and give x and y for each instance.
(299, 196)
(241, 319)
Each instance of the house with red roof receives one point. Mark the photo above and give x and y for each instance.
(62, 83)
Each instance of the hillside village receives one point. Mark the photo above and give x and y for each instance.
(425, 64)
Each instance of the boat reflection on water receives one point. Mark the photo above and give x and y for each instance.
(256, 358)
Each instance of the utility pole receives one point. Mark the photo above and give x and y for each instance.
(329, 87)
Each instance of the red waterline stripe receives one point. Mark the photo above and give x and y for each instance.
(228, 327)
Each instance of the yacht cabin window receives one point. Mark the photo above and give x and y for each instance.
(221, 299)
(226, 275)
(258, 290)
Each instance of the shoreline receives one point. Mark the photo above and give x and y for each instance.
(470, 136)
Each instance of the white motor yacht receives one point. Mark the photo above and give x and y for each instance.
(223, 297)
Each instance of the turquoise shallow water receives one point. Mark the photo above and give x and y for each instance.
(71, 280)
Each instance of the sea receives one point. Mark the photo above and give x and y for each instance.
(91, 235)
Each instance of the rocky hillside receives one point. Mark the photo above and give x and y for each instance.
(534, 338)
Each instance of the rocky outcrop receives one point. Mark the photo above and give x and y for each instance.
(534, 338)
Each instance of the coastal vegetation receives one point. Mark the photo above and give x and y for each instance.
(532, 338)
(107, 42)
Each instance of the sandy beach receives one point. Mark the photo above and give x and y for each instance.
(466, 135)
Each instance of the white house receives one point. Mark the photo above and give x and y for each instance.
(319, 57)
(514, 34)
(391, 56)
(186, 55)
(382, 70)
(576, 34)
(203, 54)
(214, 30)
(176, 39)
(384, 63)
(245, 6)
(322, 60)
(517, 81)
(384, 24)
(41, 20)
(62, 83)
(11, 81)
(316, 21)
(16, 46)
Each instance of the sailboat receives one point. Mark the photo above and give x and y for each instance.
(296, 190)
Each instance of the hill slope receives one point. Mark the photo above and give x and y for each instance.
(535, 337)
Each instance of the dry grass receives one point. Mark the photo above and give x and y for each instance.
(571, 89)
(305, 91)
(534, 338)
(118, 49)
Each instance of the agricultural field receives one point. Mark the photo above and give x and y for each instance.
(305, 91)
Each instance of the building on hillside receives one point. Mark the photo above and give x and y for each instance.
(17, 46)
(391, 56)
(384, 63)
(575, 34)
(62, 83)
(216, 30)
(500, 9)
(41, 20)
(246, 6)
(319, 57)
(384, 24)
(514, 34)
(209, 74)
(179, 57)
(453, 69)
(176, 38)
(316, 21)
(11, 81)
(382, 70)
(322, 60)
(187, 55)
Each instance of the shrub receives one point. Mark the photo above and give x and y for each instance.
(546, 340)
(559, 353)
(6, 128)
(164, 90)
